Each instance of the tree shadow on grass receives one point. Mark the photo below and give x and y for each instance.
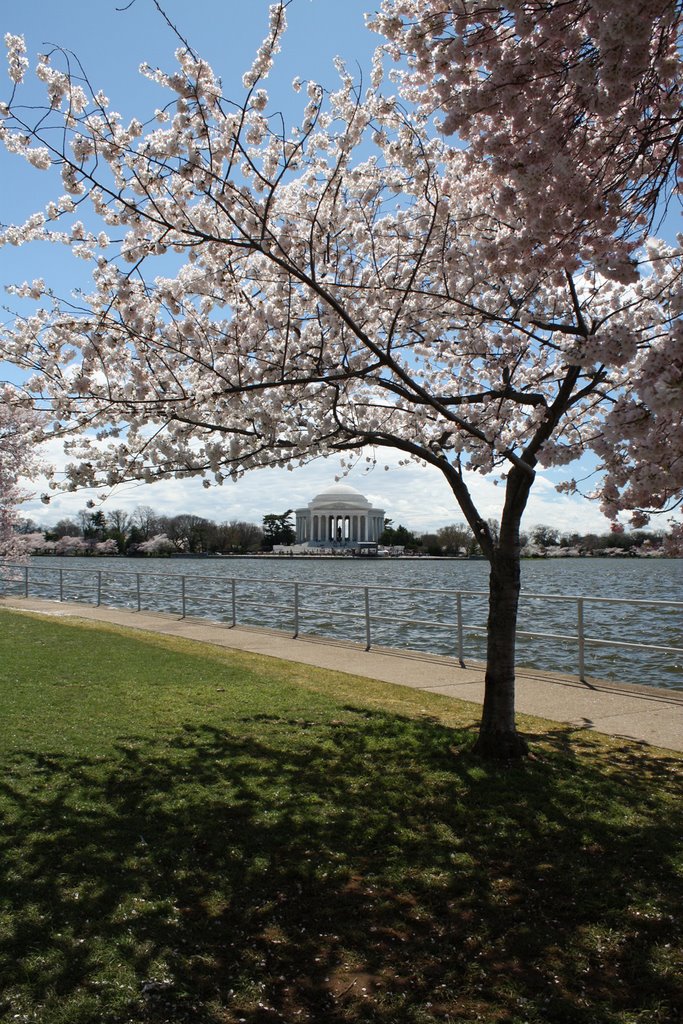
(351, 870)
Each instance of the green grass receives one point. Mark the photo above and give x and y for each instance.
(197, 835)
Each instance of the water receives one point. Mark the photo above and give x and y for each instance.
(264, 596)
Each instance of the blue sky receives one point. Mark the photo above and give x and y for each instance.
(110, 45)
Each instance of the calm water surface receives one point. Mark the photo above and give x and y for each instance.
(331, 603)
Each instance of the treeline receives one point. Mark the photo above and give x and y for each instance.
(144, 532)
(457, 539)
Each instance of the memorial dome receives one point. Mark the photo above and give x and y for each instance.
(340, 496)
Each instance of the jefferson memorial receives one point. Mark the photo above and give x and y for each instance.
(340, 517)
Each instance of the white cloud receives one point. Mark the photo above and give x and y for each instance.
(416, 496)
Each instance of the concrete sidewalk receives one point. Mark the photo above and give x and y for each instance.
(652, 716)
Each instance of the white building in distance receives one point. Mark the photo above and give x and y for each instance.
(338, 518)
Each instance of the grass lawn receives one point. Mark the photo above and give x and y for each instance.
(203, 836)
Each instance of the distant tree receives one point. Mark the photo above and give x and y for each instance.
(238, 537)
(64, 528)
(25, 525)
(135, 538)
(199, 533)
(37, 543)
(119, 526)
(430, 544)
(278, 529)
(173, 533)
(145, 521)
(160, 544)
(119, 520)
(456, 539)
(93, 524)
(545, 536)
(72, 546)
(187, 532)
(399, 536)
(106, 547)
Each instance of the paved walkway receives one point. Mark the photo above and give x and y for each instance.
(653, 716)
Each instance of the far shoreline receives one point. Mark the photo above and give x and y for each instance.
(622, 556)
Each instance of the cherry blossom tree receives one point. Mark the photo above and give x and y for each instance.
(106, 547)
(36, 543)
(576, 104)
(19, 432)
(72, 546)
(263, 296)
(159, 544)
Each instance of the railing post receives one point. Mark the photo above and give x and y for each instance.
(137, 588)
(61, 584)
(25, 581)
(99, 587)
(461, 653)
(233, 591)
(367, 618)
(182, 595)
(296, 610)
(582, 667)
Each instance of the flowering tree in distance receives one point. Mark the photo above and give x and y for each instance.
(262, 297)
(19, 428)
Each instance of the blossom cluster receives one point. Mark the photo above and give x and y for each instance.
(576, 103)
(17, 62)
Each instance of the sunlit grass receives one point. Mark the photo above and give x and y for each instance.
(192, 834)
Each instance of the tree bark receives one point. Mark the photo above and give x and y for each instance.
(498, 737)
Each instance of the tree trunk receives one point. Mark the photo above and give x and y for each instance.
(498, 736)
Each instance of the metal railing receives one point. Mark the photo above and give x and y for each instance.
(230, 599)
